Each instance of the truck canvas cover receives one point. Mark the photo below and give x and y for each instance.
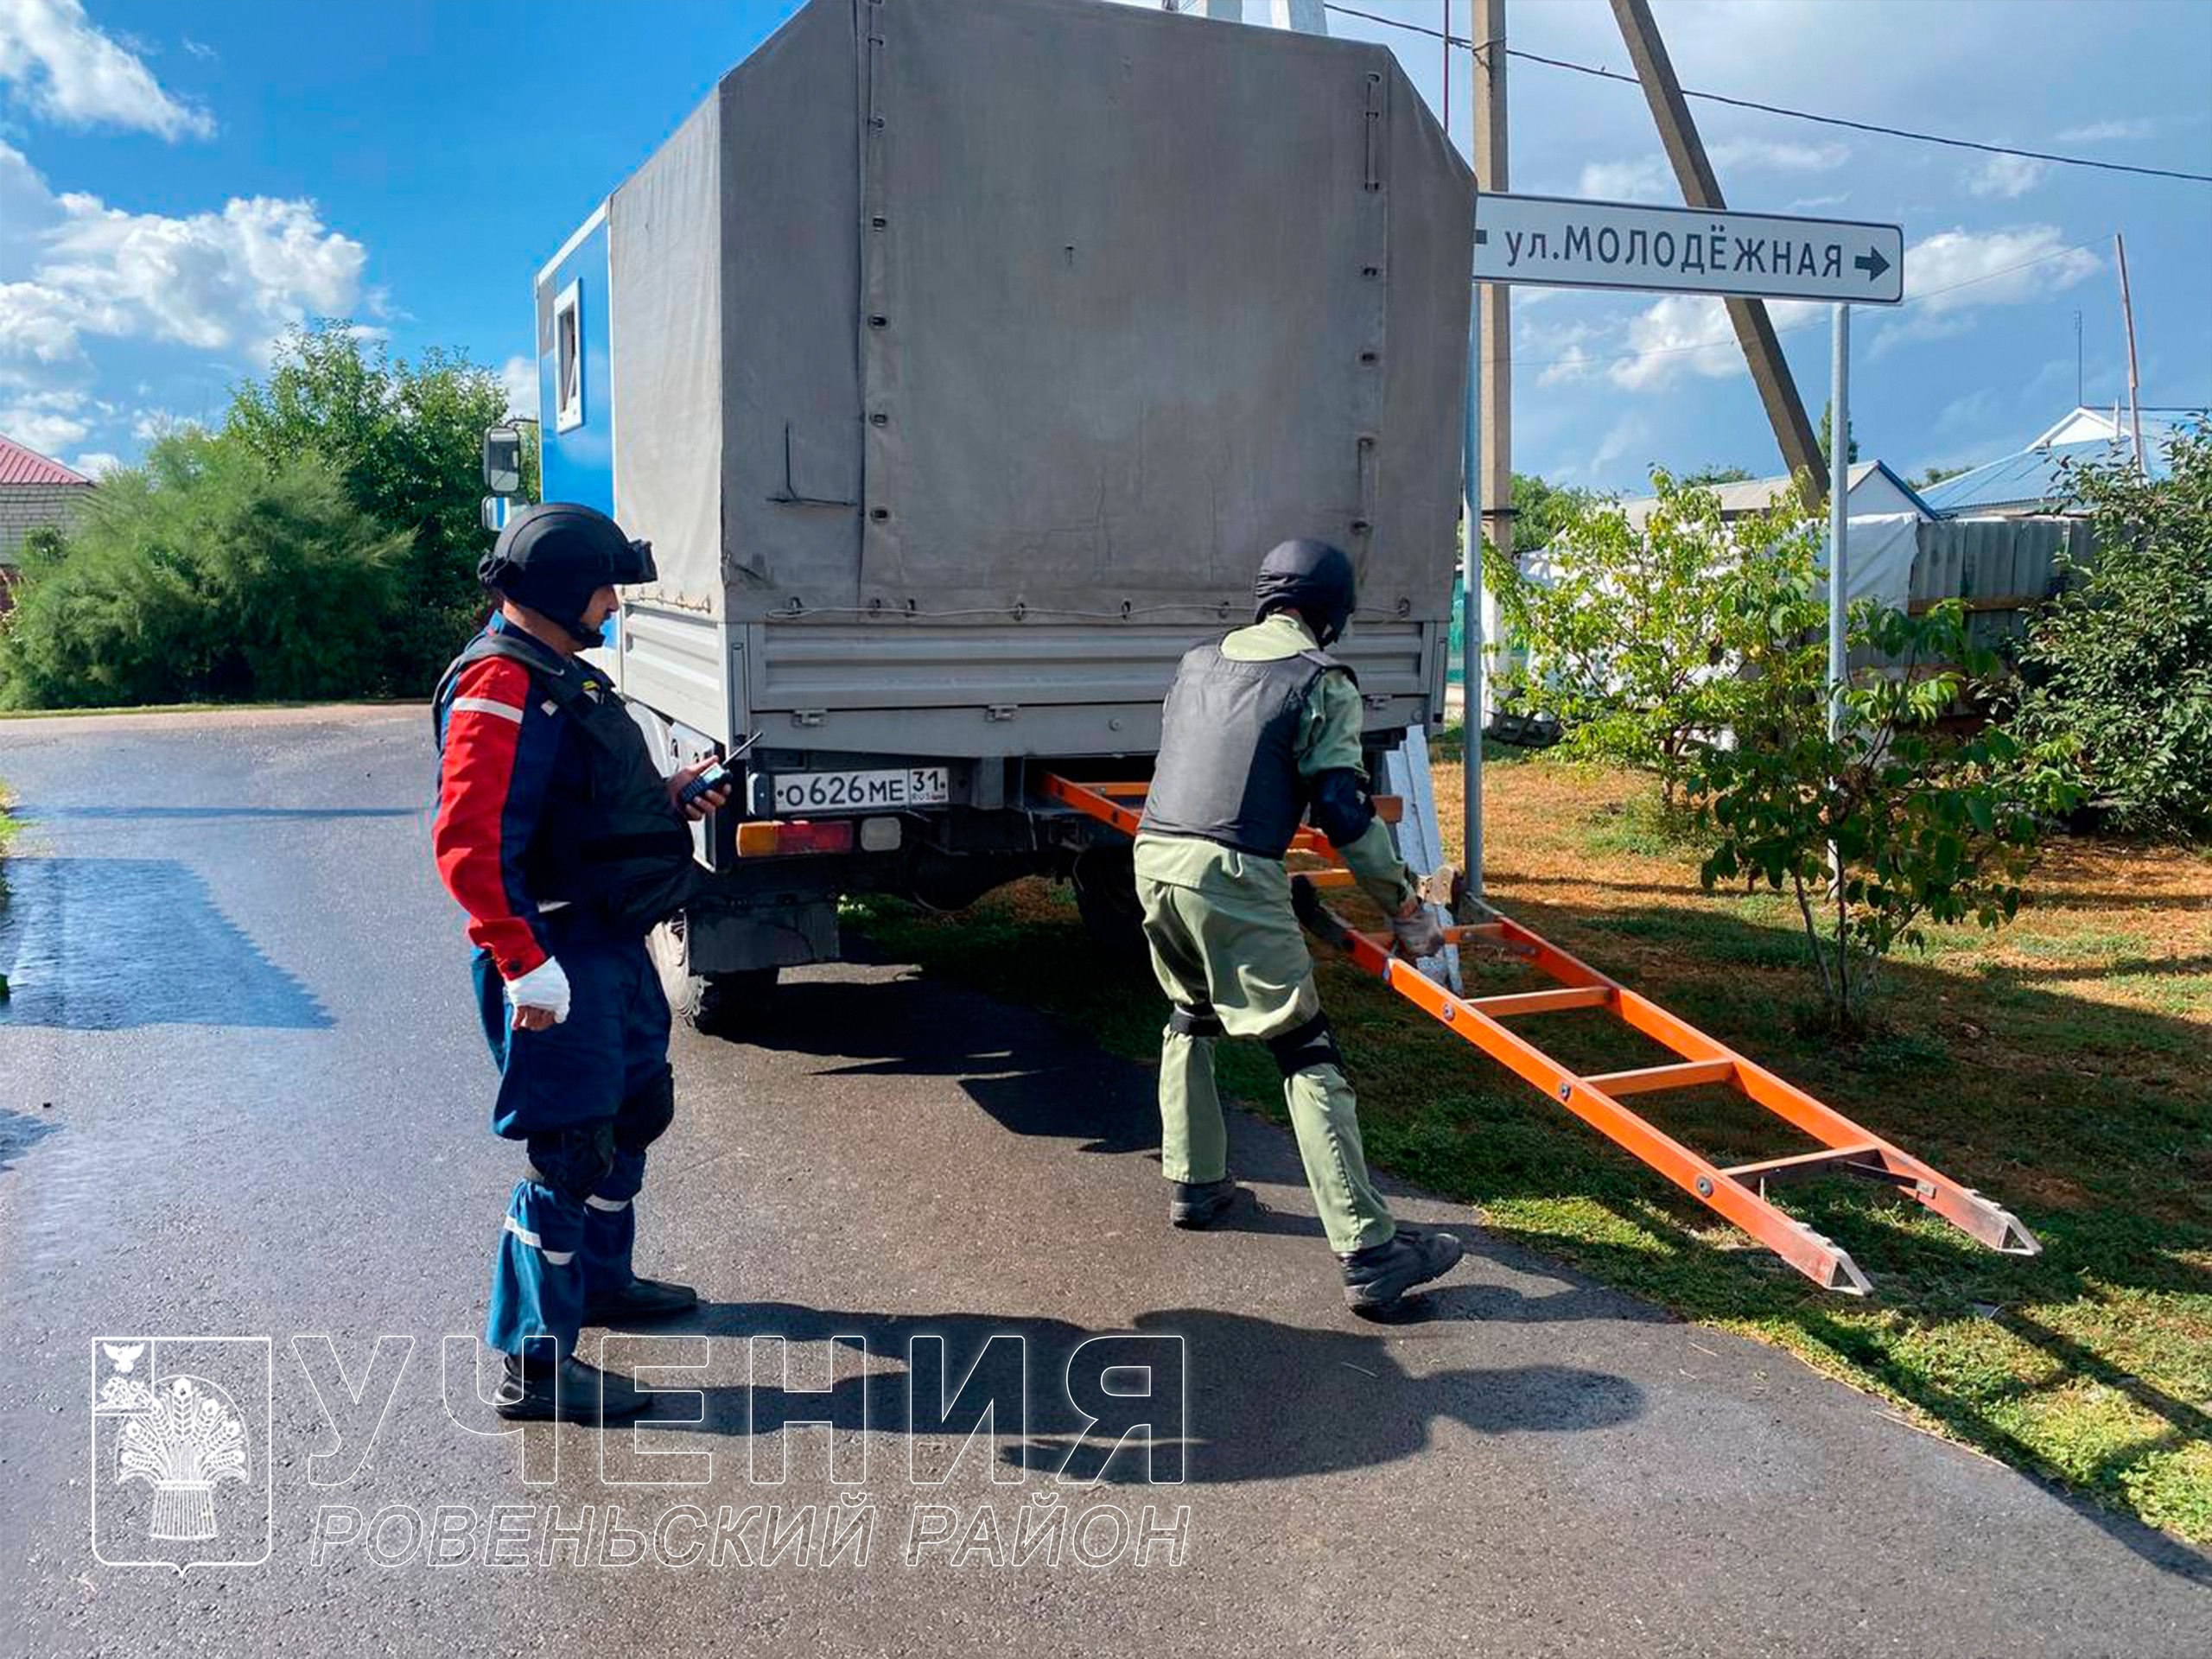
(942, 322)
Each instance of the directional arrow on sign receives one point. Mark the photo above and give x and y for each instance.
(1873, 264)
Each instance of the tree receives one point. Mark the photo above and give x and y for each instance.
(1629, 638)
(406, 440)
(2119, 664)
(1828, 438)
(207, 572)
(1887, 822)
(1540, 507)
(1937, 474)
(1710, 475)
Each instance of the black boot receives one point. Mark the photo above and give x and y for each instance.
(1200, 1204)
(640, 1300)
(1376, 1276)
(570, 1392)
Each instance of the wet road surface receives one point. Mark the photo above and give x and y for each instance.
(242, 1095)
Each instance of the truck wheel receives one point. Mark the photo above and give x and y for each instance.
(721, 1005)
(1106, 897)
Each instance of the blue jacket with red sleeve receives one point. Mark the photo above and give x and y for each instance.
(501, 746)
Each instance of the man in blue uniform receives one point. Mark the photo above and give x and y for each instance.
(1262, 729)
(556, 833)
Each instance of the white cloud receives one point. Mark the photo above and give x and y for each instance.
(68, 71)
(2004, 267)
(1951, 276)
(1647, 179)
(97, 464)
(227, 282)
(520, 377)
(48, 422)
(1651, 178)
(1806, 204)
(1556, 355)
(1620, 439)
(1756, 153)
(2099, 133)
(2006, 177)
(224, 281)
(147, 424)
(1690, 335)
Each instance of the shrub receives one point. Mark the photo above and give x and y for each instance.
(2120, 665)
(206, 573)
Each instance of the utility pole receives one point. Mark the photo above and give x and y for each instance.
(2134, 392)
(1495, 303)
(1785, 410)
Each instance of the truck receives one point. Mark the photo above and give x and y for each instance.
(960, 360)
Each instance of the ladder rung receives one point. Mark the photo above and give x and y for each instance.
(1689, 1075)
(1847, 1160)
(1574, 996)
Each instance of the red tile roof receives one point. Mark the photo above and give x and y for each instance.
(22, 466)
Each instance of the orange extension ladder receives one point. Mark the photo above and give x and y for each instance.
(1737, 1192)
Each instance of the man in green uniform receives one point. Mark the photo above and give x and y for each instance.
(1261, 730)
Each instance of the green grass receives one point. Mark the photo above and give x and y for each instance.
(2061, 1069)
(198, 708)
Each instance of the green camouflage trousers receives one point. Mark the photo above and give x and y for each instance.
(1234, 949)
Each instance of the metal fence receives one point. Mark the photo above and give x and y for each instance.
(2002, 568)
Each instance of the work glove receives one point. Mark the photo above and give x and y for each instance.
(1419, 933)
(544, 988)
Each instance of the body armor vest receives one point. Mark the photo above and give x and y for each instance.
(613, 845)
(1228, 767)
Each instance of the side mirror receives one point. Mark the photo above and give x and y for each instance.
(503, 460)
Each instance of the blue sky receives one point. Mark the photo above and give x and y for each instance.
(180, 182)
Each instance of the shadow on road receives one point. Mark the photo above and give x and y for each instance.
(1021, 1069)
(1266, 1400)
(117, 943)
(19, 1133)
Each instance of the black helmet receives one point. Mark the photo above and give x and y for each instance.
(1309, 577)
(553, 557)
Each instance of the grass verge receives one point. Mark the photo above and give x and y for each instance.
(201, 707)
(2063, 1066)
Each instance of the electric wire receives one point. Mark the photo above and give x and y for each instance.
(1466, 44)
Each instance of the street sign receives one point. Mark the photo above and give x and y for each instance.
(1559, 242)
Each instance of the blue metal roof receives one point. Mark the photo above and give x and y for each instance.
(2032, 476)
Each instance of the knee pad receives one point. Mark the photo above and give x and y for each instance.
(1193, 1022)
(573, 1160)
(1308, 1044)
(644, 1117)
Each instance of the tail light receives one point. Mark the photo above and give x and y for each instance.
(779, 838)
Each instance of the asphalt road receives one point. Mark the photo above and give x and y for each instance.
(241, 1095)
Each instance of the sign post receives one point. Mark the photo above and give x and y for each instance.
(1839, 510)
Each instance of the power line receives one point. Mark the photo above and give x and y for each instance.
(1466, 44)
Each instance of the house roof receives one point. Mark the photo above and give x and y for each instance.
(2084, 425)
(20, 466)
(2032, 478)
(1756, 495)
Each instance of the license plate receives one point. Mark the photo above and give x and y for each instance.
(799, 793)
